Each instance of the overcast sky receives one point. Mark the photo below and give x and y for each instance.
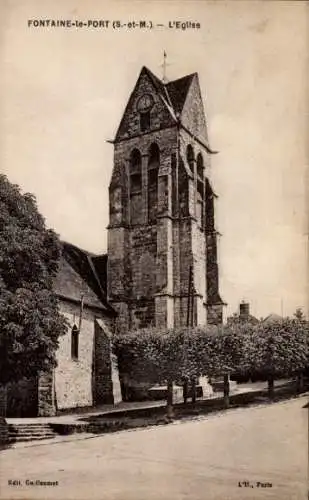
(64, 90)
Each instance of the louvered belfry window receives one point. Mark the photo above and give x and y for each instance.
(136, 209)
(145, 121)
(200, 196)
(153, 169)
(190, 157)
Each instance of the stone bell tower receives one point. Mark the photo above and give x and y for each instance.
(162, 241)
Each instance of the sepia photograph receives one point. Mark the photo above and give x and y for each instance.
(154, 279)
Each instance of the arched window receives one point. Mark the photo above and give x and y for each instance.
(153, 168)
(200, 204)
(210, 215)
(183, 189)
(74, 342)
(136, 187)
(190, 157)
(200, 165)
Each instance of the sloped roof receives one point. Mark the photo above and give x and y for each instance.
(68, 284)
(214, 299)
(272, 318)
(100, 265)
(178, 91)
(78, 276)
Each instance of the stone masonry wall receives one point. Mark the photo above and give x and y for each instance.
(75, 379)
(193, 115)
(160, 117)
(46, 394)
(102, 369)
(136, 270)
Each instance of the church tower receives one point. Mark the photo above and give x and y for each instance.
(162, 240)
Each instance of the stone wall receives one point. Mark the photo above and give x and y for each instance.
(46, 394)
(106, 385)
(130, 123)
(139, 263)
(75, 379)
(193, 115)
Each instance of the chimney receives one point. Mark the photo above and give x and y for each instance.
(244, 311)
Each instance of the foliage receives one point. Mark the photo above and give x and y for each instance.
(299, 315)
(30, 322)
(177, 354)
(279, 348)
(138, 354)
(271, 349)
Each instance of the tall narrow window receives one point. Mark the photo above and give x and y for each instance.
(200, 204)
(200, 166)
(210, 215)
(74, 342)
(145, 121)
(190, 157)
(183, 190)
(153, 168)
(136, 210)
(200, 198)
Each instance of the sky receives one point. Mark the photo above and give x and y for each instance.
(63, 92)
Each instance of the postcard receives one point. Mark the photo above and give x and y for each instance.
(154, 250)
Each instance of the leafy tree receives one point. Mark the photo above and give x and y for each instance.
(279, 348)
(30, 322)
(299, 315)
(161, 357)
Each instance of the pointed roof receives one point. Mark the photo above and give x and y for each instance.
(178, 91)
(173, 95)
(175, 91)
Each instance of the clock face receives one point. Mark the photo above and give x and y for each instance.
(145, 103)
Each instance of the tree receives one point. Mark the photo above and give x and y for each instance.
(30, 322)
(279, 348)
(303, 326)
(171, 356)
(299, 314)
(159, 357)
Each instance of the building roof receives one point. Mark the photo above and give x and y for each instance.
(173, 94)
(176, 90)
(272, 318)
(214, 299)
(82, 273)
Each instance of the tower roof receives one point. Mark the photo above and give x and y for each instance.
(176, 90)
(174, 97)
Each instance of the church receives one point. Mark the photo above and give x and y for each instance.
(161, 266)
